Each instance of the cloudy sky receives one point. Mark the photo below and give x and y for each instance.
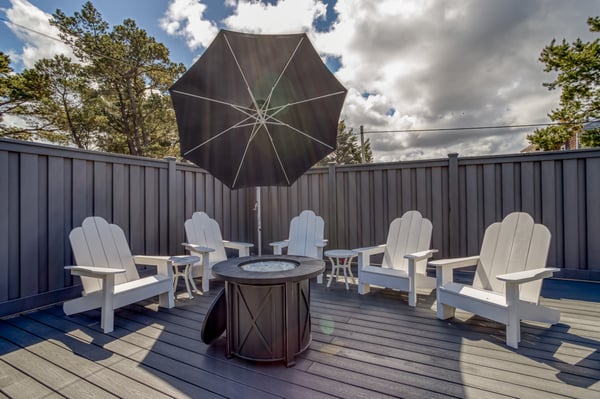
(407, 64)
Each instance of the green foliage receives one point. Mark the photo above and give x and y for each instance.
(133, 73)
(14, 98)
(578, 67)
(348, 149)
(114, 98)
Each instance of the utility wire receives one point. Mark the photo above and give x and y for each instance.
(62, 41)
(473, 128)
(366, 131)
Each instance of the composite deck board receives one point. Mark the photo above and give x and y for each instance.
(371, 346)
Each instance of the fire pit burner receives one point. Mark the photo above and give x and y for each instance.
(263, 266)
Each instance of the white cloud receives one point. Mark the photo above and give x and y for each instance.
(36, 46)
(286, 16)
(437, 64)
(185, 18)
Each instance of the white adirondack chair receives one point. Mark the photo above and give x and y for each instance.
(404, 261)
(108, 273)
(205, 240)
(508, 278)
(305, 239)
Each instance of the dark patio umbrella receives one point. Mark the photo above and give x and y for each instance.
(257, 110)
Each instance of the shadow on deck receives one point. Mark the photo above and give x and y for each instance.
(363, 346)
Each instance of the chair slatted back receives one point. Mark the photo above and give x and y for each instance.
(97, 243)
(205, 231)
(513, 245)
(306, 229)
(407, 234)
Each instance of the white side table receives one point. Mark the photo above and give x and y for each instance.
(188, 261)
(340, 259)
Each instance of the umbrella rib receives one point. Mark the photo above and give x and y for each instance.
(243, 76)
(252, 135)
(237, 125)
(280, 123)
(284, 69)
(282, 107)
(277, 155)
(235, 106)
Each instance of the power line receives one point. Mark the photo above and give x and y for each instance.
(365, 131)
(63, 42)
(473, 128)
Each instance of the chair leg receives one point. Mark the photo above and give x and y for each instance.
(167, 299)
(345, 277)
(513, 333)
(351, 275)
(443, 311)
(206, 279)
(513, 325)
(320, 279)
(412, 297)
(107, 311)
(363, 288)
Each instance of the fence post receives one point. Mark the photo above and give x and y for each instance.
(453, 202)
(333, 227)
(172, 204)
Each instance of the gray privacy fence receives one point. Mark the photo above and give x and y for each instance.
(47, 190)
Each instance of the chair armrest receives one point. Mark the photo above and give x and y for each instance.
(150, 260)
(321, 244)
(197, 248)
(243, 248)
(370, 250)
(161, 263)
(444, 268)
(417, 256)
(455, 263)
(237, 245)
(93, 271)
(527, 275)
(364, 256)
(281, 244)
(278, 246)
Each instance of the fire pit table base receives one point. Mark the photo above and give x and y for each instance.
(273, 321)
(268, 313)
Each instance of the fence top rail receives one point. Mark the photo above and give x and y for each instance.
(29, 147)
(422, 163)
(531, 156)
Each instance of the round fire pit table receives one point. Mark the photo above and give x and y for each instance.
(268, 305)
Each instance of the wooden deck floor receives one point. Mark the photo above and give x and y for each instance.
(363, 347)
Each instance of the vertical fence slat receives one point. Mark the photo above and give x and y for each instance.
(42, 224)
(472, 211)
(593, 213)
(528, 182)
(571, 217)
(57, 231)
(14, 243)
(28, 220)
(151, 246)
(453, 202)
(100, 191)
(4, 222)
(365, 207)
(437, 207)
(508, 189)
(120, 197)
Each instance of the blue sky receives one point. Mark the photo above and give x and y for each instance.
(408, 64)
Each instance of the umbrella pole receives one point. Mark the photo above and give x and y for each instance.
(259, 221)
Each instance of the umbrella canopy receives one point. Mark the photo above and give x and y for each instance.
(257, 110)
